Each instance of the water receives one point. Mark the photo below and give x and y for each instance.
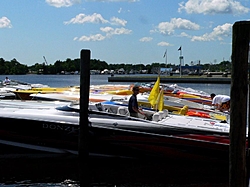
(65, 172)
(73, 80)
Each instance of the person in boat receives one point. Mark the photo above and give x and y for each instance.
(220, 102)
(133, 103)
(6, 80)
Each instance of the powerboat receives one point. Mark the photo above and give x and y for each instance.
(170, 103)
(7, 89)
(54, 128)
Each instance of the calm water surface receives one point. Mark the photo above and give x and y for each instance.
(65, 172)
(72, 80)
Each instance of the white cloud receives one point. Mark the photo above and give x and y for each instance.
(106, 29)
(176, 23)
(217, 34)
(130, 1)
(146, 39)
(213, 7)
(97, 37)
(117, 21)
(117, 31)
(82, 18)
(62, 3)
(164, 44)
(5, 23)
(95, 18)
(109, 33)
(183, 34)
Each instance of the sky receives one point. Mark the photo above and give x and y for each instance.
(120, 31)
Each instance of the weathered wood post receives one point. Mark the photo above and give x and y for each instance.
(83, 120)
(248, 138)
(238, 111)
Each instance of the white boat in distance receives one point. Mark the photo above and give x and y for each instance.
(6, 89)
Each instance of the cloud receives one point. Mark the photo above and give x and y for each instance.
(217, 34)
(130, 1)
(5, 23)
(117, 31)
(164, 44)
(62, 3)
(109, 32)
(183, 34)
(117, 21)
(97, 37)
(213, 7)
(168, 28)
(82, 18)
(95, 18)
(146, 39)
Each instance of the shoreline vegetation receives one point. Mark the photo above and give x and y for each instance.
(70, 66)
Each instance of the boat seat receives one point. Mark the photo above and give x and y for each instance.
(165, 111)
(93, 107)
(100, 107)
(161, 113)
(156, 116)
(123, 111)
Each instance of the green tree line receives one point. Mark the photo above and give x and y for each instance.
(14, 67)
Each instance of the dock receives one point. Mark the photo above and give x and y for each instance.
(172, 79)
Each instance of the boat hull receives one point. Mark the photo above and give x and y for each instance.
(61, 137)
(50, 128)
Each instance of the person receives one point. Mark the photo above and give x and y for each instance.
(220, 102)
(6, 80)
(133, 104)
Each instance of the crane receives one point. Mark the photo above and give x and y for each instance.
(45, 60)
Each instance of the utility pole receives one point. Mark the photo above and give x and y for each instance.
(181, 58)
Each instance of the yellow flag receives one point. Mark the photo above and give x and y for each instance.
(154, 92)
(161, 101)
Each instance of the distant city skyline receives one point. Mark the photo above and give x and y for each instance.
(120, 31)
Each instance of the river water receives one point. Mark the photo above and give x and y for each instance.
(73, 80)
(65, 172)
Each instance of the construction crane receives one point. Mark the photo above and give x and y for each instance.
(45, 60)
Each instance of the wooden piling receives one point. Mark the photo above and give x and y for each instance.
(238, 111)
(248, 138)
(83, 120)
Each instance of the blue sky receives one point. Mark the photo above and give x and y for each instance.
(119, 31)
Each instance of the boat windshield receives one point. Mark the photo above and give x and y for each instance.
(73, 107)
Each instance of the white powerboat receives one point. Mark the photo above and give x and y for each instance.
(54, 129)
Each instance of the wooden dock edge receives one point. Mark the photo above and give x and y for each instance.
(200, 80)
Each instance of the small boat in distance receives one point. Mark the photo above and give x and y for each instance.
(6, 90)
